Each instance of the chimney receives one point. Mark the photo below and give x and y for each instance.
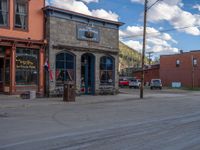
(181, 51)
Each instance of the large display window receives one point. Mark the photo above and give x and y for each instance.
(107, 70)
(64, 67)
(27, 66)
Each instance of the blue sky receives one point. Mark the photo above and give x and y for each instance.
(182, 17)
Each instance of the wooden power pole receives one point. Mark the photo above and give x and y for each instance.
(143, 49)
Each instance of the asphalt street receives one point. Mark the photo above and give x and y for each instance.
(163, 120)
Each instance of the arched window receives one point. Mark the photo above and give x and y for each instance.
(107, 70)
(65, 67)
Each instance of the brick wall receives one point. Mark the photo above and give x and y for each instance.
(185, 73)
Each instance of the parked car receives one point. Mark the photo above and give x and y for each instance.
(156, 84)
(135, 83)
(124, 81)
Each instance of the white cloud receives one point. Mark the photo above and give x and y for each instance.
(169, 2)
(136, 45)
(101, 13)
(156, 41)
(89, 1)
(181, 5)
(171, 11)
(46, 2)
(196, 7)
(81, 7)
(176, 17)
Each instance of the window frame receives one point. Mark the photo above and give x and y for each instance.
(194, 62)
(178, 62)
(27, 16)
(64, 66)
(107, 70)
(7, 26)
(18, 83)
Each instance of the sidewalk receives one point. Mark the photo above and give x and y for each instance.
(13, 101)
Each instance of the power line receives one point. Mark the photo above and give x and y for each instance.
(153, 4)
(161, 31)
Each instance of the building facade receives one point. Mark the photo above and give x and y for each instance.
(183, 68)
(21, 46)
(150, 72)
(83, 49)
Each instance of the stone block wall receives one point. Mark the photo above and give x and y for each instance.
(64, 32)
(62, 36)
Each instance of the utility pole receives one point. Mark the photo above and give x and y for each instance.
(143, 49)
(149, 57)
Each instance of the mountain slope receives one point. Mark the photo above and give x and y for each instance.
(128, 57)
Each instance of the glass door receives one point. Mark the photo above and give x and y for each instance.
(87, 74)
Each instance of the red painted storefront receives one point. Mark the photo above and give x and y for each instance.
(21, 46)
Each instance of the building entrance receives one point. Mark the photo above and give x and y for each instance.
(88, 73)
(1, 73)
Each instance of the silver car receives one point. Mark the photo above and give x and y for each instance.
(135, 83)
(156, 84)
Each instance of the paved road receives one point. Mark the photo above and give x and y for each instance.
(165, 120)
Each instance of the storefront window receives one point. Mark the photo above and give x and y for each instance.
(107, 70)
(64, 67)
(27, 67)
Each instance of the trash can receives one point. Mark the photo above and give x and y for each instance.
(32, 94)
(69, 91)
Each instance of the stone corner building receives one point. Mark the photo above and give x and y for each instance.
(84, 49)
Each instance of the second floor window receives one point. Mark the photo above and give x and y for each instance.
(177, 63)
(3, 12)
(21, 14)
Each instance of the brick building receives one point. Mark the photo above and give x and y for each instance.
(183, 68)
(21, 46)
(81, 48)
(150, 72)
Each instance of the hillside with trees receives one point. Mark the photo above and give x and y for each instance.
(128, 58)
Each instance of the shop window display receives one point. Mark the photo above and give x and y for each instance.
(64, 67)
(107, 70)
(27, 67)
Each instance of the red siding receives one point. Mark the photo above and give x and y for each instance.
(152, 73)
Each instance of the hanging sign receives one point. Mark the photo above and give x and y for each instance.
(87, 33)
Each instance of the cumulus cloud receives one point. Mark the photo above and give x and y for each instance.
(197, 7)
(46, 3)
(81, 7)
(101, 13)
(172, 12)
(136, 45)
(89, 1)
(169, 2)
(156, 41)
